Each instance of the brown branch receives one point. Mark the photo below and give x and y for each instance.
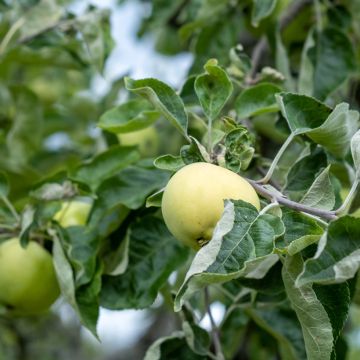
(260, 189)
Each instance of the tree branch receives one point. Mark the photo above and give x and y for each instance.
(260, 189)
(214, 329)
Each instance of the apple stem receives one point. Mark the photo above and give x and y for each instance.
(260, 189)
(214, 328)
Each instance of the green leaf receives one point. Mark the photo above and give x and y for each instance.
(195, 152)
(197, 338)
(26, 223)
(4, 185)
(303, 173)
(241, 245)
(336, 132)
(213, 89)
(64, 271)
(130, 187)
(116, 261)
(155, 199)
(283, 63)
(172, 347)
(315, 323)
(81, 245)
(164, 98)
(355, 150)
(321, 193)
(301, 231)
(239, 149)
(153, 255)
(169, 162)
(105, 165)
(40, 17)
(95, 30)
(338, 256)
(87, 298)
(302, 113)
(331, 129)
(336, 300)
(334, 59)
(130, 116)
(285, 328)
(306, 76)
(262, 9)
(22, 141)
(258, 99)
(54, 191)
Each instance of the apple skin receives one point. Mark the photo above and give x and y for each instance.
(193, 200)
(73, 213)
(146, 139)
(27, 278)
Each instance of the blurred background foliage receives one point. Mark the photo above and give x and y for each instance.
(57, 77)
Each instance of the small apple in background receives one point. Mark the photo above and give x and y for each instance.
(73, 213)
(28, 284)
(193, 200)
(146, 139)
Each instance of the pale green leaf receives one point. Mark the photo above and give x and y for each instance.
(314, 320)
(169, 162)
(241, 245)
(321, 193)
(42, 16)
(338, 256)
(105, 165)
(334, 60)
(4, 185)
(306, 76)
(355, 150)
(130, 116)
(213, 89)
(257, 100)
(172, 347)
(285, 328)
(153, 255)
(261, 10)
(164, 98)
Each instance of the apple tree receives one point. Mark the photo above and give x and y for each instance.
(239, 188)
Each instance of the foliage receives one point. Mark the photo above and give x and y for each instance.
(272, 94)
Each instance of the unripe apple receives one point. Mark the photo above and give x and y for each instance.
(193, 200)
(73, 213)
(146, 139)
(28, 284)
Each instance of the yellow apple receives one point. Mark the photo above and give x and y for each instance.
(146, 139)
(73, 213)
(28, 284)
(193, 200)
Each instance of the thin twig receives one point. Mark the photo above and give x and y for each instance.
(260, 189)
(214, 328)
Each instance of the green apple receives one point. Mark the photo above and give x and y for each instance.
(73, 213)
(146, 139)
(193, 200)
(28, 283)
